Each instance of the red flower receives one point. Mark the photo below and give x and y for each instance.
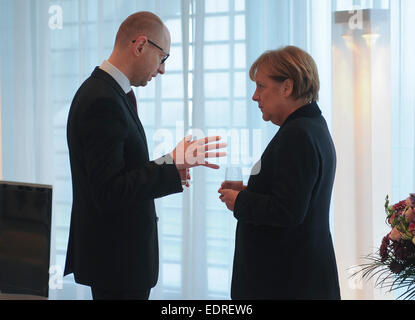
(400, 206)
(401, 252)
(396, 267)
(383, 252)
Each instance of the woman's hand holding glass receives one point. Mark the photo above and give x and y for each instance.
(231, 187)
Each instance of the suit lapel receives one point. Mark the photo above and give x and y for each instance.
(134, 114)
(127, 102)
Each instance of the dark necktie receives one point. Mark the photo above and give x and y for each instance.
(131, 95)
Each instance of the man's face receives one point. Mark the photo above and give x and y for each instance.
(156, 53)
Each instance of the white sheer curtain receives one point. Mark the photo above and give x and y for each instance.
(373, 113)
(206, 90)
(403, 99)
(1, 140)
(29, 117)
(304, 23)
(362, 132)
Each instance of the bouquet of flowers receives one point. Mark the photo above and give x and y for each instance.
(394, 263)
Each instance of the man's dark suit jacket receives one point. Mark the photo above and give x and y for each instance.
(113, 242)
(283, 246)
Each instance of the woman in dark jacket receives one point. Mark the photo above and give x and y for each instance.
(284, 248)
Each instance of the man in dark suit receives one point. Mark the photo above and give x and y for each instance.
(113, 242)
(283, 246)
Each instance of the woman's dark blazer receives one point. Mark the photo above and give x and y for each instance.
(113, 242)
(283, 246)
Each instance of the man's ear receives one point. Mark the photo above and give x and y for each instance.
(138, 45)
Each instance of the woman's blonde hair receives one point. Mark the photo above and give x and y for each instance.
(291, 63)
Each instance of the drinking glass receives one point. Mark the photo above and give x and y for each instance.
(233, 178)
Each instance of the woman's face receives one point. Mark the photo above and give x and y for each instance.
(271, 97)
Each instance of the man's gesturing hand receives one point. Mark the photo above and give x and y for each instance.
(189, 154)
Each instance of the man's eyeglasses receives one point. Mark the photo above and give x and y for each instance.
(166, 55)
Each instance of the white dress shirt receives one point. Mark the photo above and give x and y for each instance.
(118, 76)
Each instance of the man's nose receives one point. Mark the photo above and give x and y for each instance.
(162, 68)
